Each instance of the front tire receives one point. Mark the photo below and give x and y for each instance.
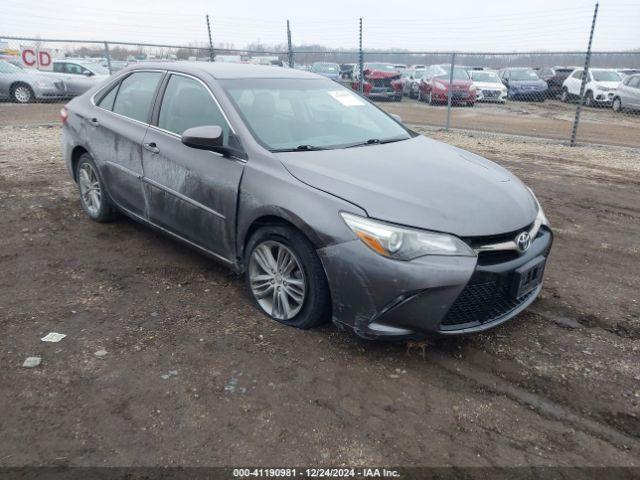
(588, 101)
(285, 278)
(617, 104)
(22, 93)
(93, 195)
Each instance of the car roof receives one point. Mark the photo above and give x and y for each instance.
(225, 70)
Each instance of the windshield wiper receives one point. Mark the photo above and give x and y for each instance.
(300, 148)
(376, 141)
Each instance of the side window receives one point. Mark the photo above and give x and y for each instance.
(634, 82)
(59, 67)
(107, 101)
(74, 69)
(135, 95)
(577, 75)
(187, 103)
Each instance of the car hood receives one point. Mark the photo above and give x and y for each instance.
(380, 75)
(490, 85)
(421, 183)
(606, 84)
(527, 83)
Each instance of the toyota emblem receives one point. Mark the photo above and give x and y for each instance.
(523, 242)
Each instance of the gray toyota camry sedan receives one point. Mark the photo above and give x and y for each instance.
(331, 208)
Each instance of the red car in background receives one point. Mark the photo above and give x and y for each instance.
(434, 86)
(382, 81)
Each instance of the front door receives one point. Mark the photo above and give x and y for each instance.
(191, 192)
(119, 123)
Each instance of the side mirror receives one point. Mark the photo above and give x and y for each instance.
(87, 73)
(397, 118)
(210, 137)
(207, 137)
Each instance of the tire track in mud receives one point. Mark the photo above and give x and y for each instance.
(488, 380)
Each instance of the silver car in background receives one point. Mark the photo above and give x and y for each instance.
(24, 86)
(627, 95)
(78, 76)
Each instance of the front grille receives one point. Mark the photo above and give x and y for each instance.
(483, 302)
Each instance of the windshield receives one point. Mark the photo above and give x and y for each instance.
(523, 75)
(458, 74)
(488, 77)
(325, 68)
(605, 76)
(290, 114)
(97, 69)
(419, 74)
(385, 67)
(6, 67)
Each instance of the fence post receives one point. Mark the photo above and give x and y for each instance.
(106, 50)
(449, 91)
(212, 55)
(289, 46)
(361, 62)
(585, 74)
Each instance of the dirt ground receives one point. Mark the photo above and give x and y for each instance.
(194, 375)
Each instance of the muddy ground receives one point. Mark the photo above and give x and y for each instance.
(194, 375)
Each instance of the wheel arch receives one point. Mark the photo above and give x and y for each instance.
(76, 153)
(270, 216)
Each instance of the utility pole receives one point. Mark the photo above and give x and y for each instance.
(290, 46)
(106, 50)
(583, 84)
(361, 63)
(450, 89)
(212, 55)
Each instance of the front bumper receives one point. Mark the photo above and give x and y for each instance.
(603, 97)
(457, 96)
(433, 295)
(381, 94)
(491, 95)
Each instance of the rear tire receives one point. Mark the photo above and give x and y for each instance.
(93, 195)
(276, 286)
(22, 93)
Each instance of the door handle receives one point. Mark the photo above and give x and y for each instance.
(151, 147)
(94, 121)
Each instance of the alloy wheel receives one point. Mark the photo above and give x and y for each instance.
(22, 94)
(90, 190)
(277, 280)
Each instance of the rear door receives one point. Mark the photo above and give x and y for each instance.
(192, 193)
(117, 127)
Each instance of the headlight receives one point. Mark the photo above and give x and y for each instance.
(604, 89)
(404, 243)
(472, 88)
(439, 85)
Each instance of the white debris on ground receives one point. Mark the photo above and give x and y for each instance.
(100, 353)
(32, 362)
(53, 337)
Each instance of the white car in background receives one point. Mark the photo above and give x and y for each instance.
(599, 90)
(489, 87)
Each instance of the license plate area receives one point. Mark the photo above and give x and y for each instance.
(528, 276)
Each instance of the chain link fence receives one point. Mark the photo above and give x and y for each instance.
(540, 94)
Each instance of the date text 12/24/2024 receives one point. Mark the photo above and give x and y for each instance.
(315, 473)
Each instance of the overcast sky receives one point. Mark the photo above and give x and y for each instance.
(434, 25)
